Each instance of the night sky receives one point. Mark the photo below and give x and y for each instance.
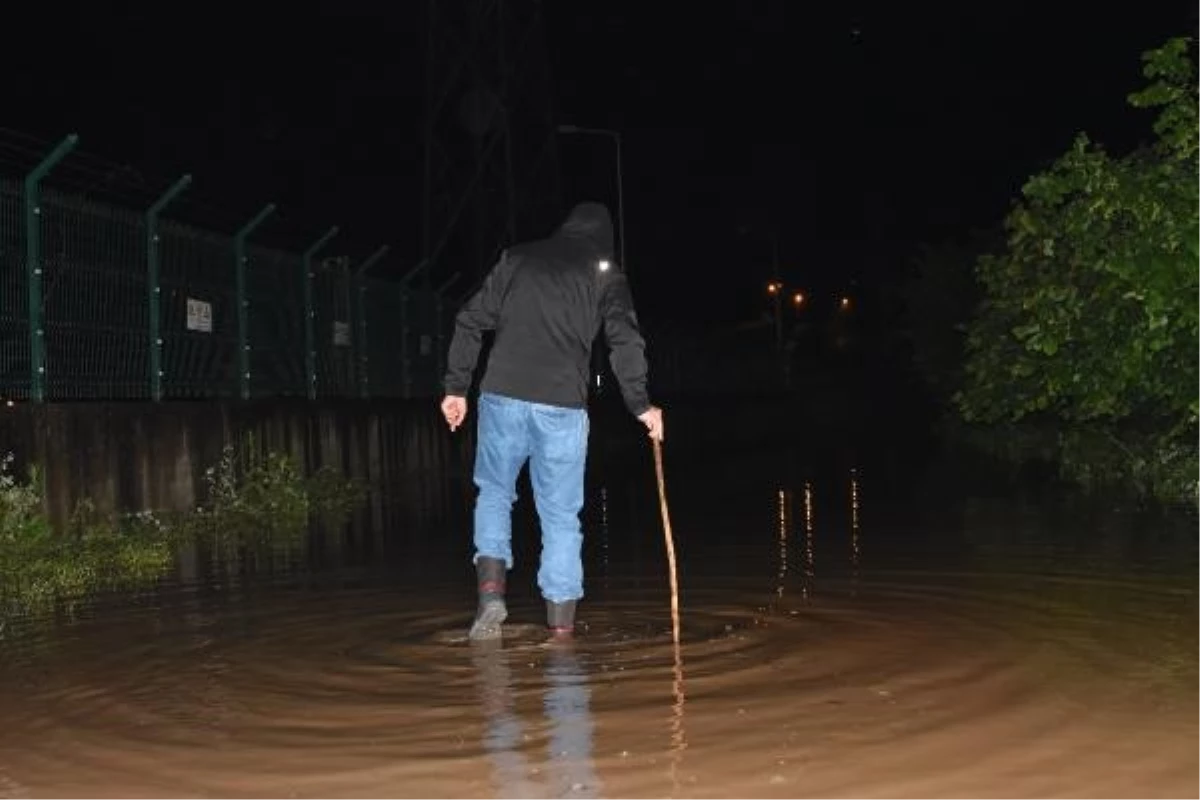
(853, 133)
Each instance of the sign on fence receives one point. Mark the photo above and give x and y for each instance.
(199, 315)
(341, 334)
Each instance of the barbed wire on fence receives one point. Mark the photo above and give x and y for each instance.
(106, 180)
(366, 337)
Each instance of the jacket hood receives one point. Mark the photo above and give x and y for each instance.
(590, 221)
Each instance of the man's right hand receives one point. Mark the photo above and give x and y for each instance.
(454, 409)
(653, 420)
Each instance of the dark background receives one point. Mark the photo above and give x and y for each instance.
(851, 132)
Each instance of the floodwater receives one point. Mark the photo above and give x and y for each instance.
(887, 626)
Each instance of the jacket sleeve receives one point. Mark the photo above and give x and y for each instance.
(480, 313)
(624, 338)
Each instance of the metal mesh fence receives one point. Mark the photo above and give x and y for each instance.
(371, 338)
(14, 298)
(197, 266)
(274, 291)
(333, 332)
(382, 355)
(94, 300)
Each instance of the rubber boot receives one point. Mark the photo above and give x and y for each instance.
(492, 611)
(560, 618)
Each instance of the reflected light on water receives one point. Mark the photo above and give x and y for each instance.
(604, 530)
(785, 512)
(808, 538)
(855, 551)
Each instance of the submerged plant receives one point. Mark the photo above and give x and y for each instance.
(256, 497)
(253, 500)
(333, 496)
(21, 516)
(95, 551)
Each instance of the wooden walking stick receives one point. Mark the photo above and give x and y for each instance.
(678, 737)
(666, 519)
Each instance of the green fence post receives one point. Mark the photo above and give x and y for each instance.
(33, 266)
(439, 356)
(239, 257)
(348, 299)
(153, 289)
(310, 351)
(405, 361)
(359, 340)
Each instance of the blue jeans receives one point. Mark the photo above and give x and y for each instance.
(554, 442)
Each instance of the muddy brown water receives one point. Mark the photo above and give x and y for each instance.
(849, 629)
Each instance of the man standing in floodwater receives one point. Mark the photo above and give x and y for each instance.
(546, 301)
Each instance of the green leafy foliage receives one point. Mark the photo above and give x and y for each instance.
(20, 505)
(1088, 325)
(95, 552)
(263, 497)
(333, 496)
(253, 497)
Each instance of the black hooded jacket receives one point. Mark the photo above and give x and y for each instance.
(546, 301)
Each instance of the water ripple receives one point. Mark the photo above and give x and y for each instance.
(931, 685)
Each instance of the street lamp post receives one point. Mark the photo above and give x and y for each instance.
(597, 366)
(616, 137)
(777, 289)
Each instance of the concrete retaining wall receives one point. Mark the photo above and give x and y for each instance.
(143, 456)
